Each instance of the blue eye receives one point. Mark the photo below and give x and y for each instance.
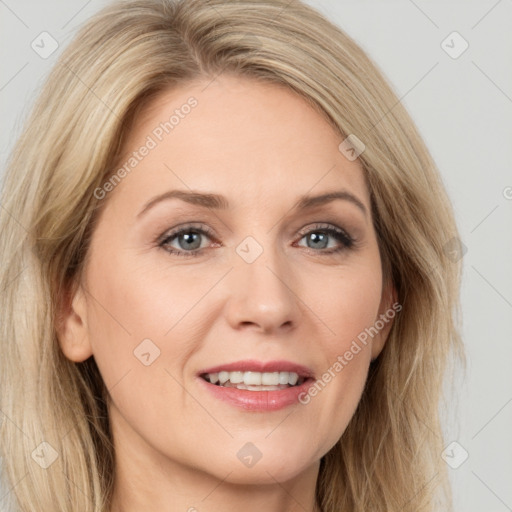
(319, 237)
(188, 239)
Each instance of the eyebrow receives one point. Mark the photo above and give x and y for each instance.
(218, 202)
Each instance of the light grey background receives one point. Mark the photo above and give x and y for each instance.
(463, 108)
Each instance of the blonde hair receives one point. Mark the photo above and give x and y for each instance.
(389, 457)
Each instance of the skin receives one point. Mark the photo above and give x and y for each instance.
(262, 147)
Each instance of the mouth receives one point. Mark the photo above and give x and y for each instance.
(256, 386)
(254, 381)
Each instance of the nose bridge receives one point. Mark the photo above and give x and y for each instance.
(262, 285)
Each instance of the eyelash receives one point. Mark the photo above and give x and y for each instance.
(347, 242)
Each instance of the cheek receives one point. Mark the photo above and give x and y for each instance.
(346, 302)
(348, 307)
(133, 302)
(127, 321)
(143, 328)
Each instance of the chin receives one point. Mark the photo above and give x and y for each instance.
(266, 470)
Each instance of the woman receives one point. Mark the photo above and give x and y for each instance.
(225, 272)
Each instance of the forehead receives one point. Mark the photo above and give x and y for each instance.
(239, 137)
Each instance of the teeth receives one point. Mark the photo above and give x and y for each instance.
(284, 377)
(236, 377)
(275, 380)
(252, 378)
(255, 388)
(270, 379)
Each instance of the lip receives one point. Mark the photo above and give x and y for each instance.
(252, 365)
(262, 401)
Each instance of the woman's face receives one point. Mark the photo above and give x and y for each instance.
(231, 270)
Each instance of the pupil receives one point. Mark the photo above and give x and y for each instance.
(188, 237)
(315, 237)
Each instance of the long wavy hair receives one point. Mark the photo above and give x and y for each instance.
(389, 457)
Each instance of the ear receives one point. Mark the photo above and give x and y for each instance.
(388, 309)
(72, 330)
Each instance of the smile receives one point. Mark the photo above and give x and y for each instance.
(254, 381)
(253, 385)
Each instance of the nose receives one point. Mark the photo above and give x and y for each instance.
(262, 294)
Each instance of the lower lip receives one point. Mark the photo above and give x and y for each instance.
(258, 400)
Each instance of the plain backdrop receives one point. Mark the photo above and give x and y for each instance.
(461, 101)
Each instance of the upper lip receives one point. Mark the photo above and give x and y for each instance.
(252, 365)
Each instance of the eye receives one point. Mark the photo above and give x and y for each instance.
(318, 238)
(186, 241)
(187, 238)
